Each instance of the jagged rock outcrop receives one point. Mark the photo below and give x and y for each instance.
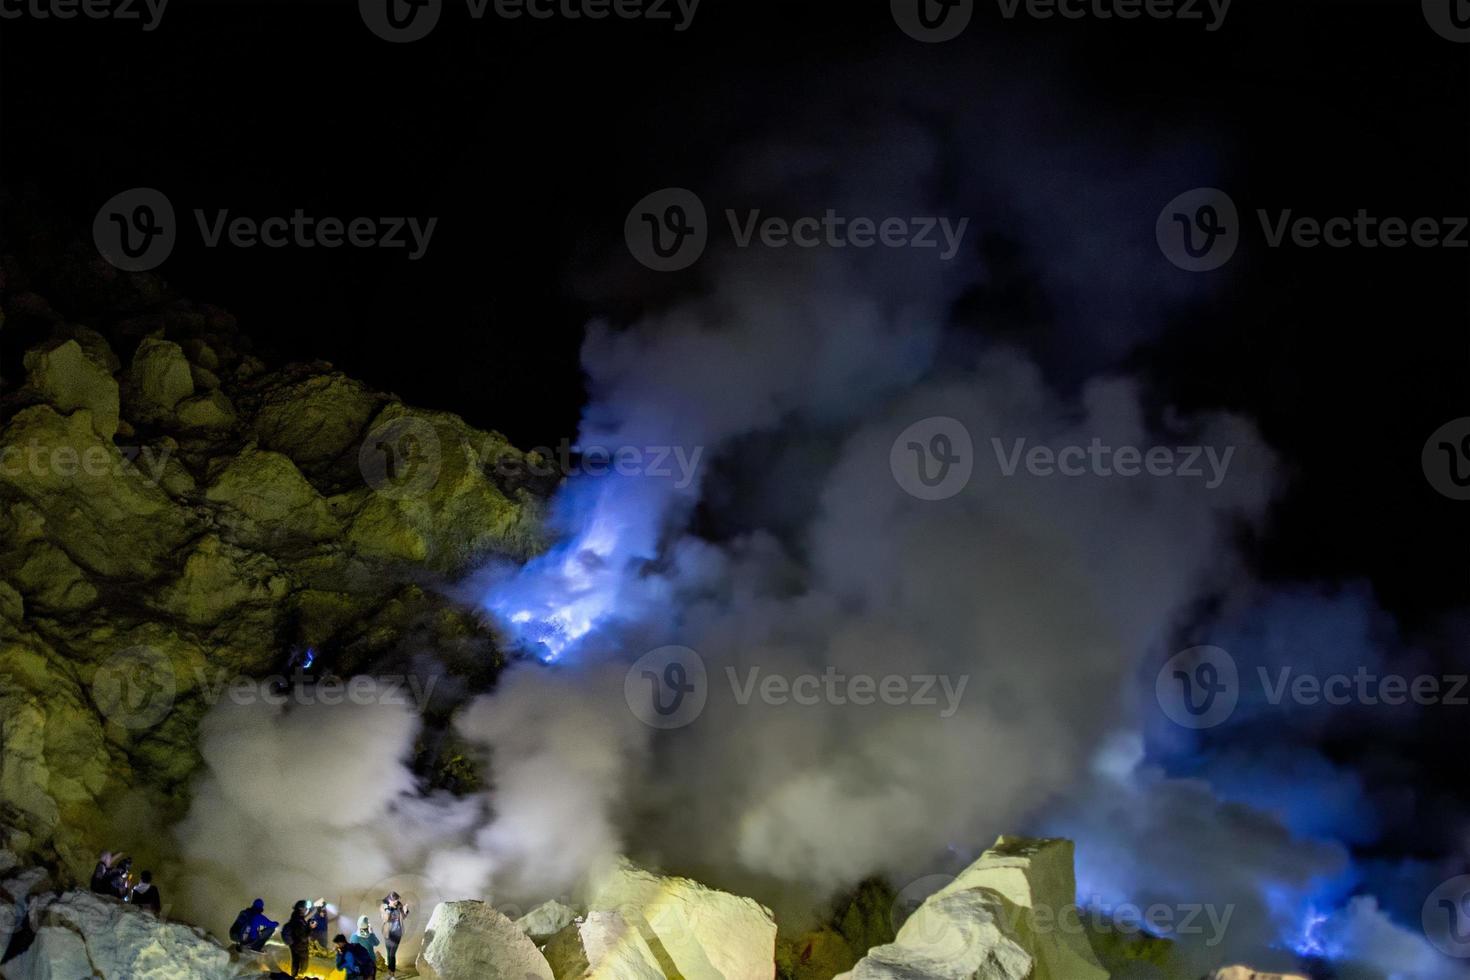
(472, 941)
(605, 946)
(1002, 918)
(173, 514)
(78, 934)
(691, 930)
(546, 920)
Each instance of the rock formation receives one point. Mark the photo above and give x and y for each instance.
(173, 514)
(1004, 918)
(472, 941)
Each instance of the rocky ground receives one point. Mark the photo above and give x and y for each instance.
(173, 512)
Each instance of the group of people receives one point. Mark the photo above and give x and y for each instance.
(114, 876)
(308, 926)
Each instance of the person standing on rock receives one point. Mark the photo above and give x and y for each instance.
(145, 894)
(353, 960)
(394, 913)
(101, 875)
(120, 879)
(297, 936)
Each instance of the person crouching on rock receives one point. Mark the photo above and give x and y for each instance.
(145, 894)
(353, 960)
(101, 885)
(365, 937)
(252, 930)
(394, 912)
(296, 934)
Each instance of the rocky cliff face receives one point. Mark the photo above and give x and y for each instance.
(174, 514)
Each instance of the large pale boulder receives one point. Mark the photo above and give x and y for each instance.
(1246, 973)
(604, 946)
(472, 941)
(79, 934)
(695, 932)
(1009, 916)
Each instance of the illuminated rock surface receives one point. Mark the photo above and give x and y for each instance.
(605, 946)
(1246, 973)
(694, 931)
(78, 934)
(998, 920)
(472, 941)
(173, 514)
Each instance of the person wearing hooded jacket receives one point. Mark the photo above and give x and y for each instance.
(145, 894)
(365, 937)
(296, 934)
(252, 930)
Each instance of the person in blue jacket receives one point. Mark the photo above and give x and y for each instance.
(252, 930)
(353, 960)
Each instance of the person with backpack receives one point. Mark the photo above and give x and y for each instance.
(297, 936)
(145, 894)
(365, 937)
(251, 929)
(394, 913)
(353, 960)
